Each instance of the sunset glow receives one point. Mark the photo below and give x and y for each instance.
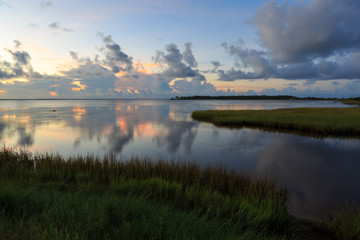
(243, 48)
(54, 94)
(79, 110)
(80, 86)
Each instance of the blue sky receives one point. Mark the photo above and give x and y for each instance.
(165, 48)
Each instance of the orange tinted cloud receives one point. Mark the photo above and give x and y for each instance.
(80, 86)
(11, 81)
(151, 65)
(54, 94)
(145, 71)
(120, 74)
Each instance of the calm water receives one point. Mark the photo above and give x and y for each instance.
(321, 174)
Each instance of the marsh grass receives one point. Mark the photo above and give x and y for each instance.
(45, 196)
(344, 223)
(351, 101)
(309, 121)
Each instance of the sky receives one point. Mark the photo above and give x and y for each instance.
(165, 48)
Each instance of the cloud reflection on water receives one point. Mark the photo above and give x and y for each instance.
(321, 173)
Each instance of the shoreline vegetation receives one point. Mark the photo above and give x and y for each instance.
(355, 101)
(317, 122)
(45, 196)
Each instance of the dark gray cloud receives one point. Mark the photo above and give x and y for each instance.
(256, 60)
(46, 4)
(317, 29)
(19, 67)
(178, 65)
(188, 55)
(215, 64)
(260, 64)
(74, 55)
(319, 40)
(56, 26)
(115, 57)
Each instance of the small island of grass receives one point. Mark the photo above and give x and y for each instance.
(309, 121)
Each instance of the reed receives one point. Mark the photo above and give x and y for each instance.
(309, 121)
(344, 223)
(92, 198)
(45, 196)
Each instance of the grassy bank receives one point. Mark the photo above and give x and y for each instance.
(351, 101)
(48, 197)
(317, 121)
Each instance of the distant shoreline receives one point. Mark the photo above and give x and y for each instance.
(260, 97)
(351, 101)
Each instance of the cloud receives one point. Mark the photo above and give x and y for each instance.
(74, 55)
(178, 65)
(176, 77)
(316, 29)
(215, 64)
(96, 78)
(115, 57)
(19, 67)
(183, 87)
(260, 65)
(56, 26)
(17, 43)
(319, 40)
(188, 55)
(2, 3)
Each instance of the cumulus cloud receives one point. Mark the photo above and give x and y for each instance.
(188, 55)
(115, 57)
(183, 87)
(317, 29)
(177, 76)
(20, 65)
(178, 65)
(319, 40)
(260, 65)
(112, 74)
(56, 26)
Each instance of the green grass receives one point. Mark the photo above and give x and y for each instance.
(49, 197)
(351, 101)
(344, 223)
(308, 121)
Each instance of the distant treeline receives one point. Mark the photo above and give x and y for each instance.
(252, 97)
